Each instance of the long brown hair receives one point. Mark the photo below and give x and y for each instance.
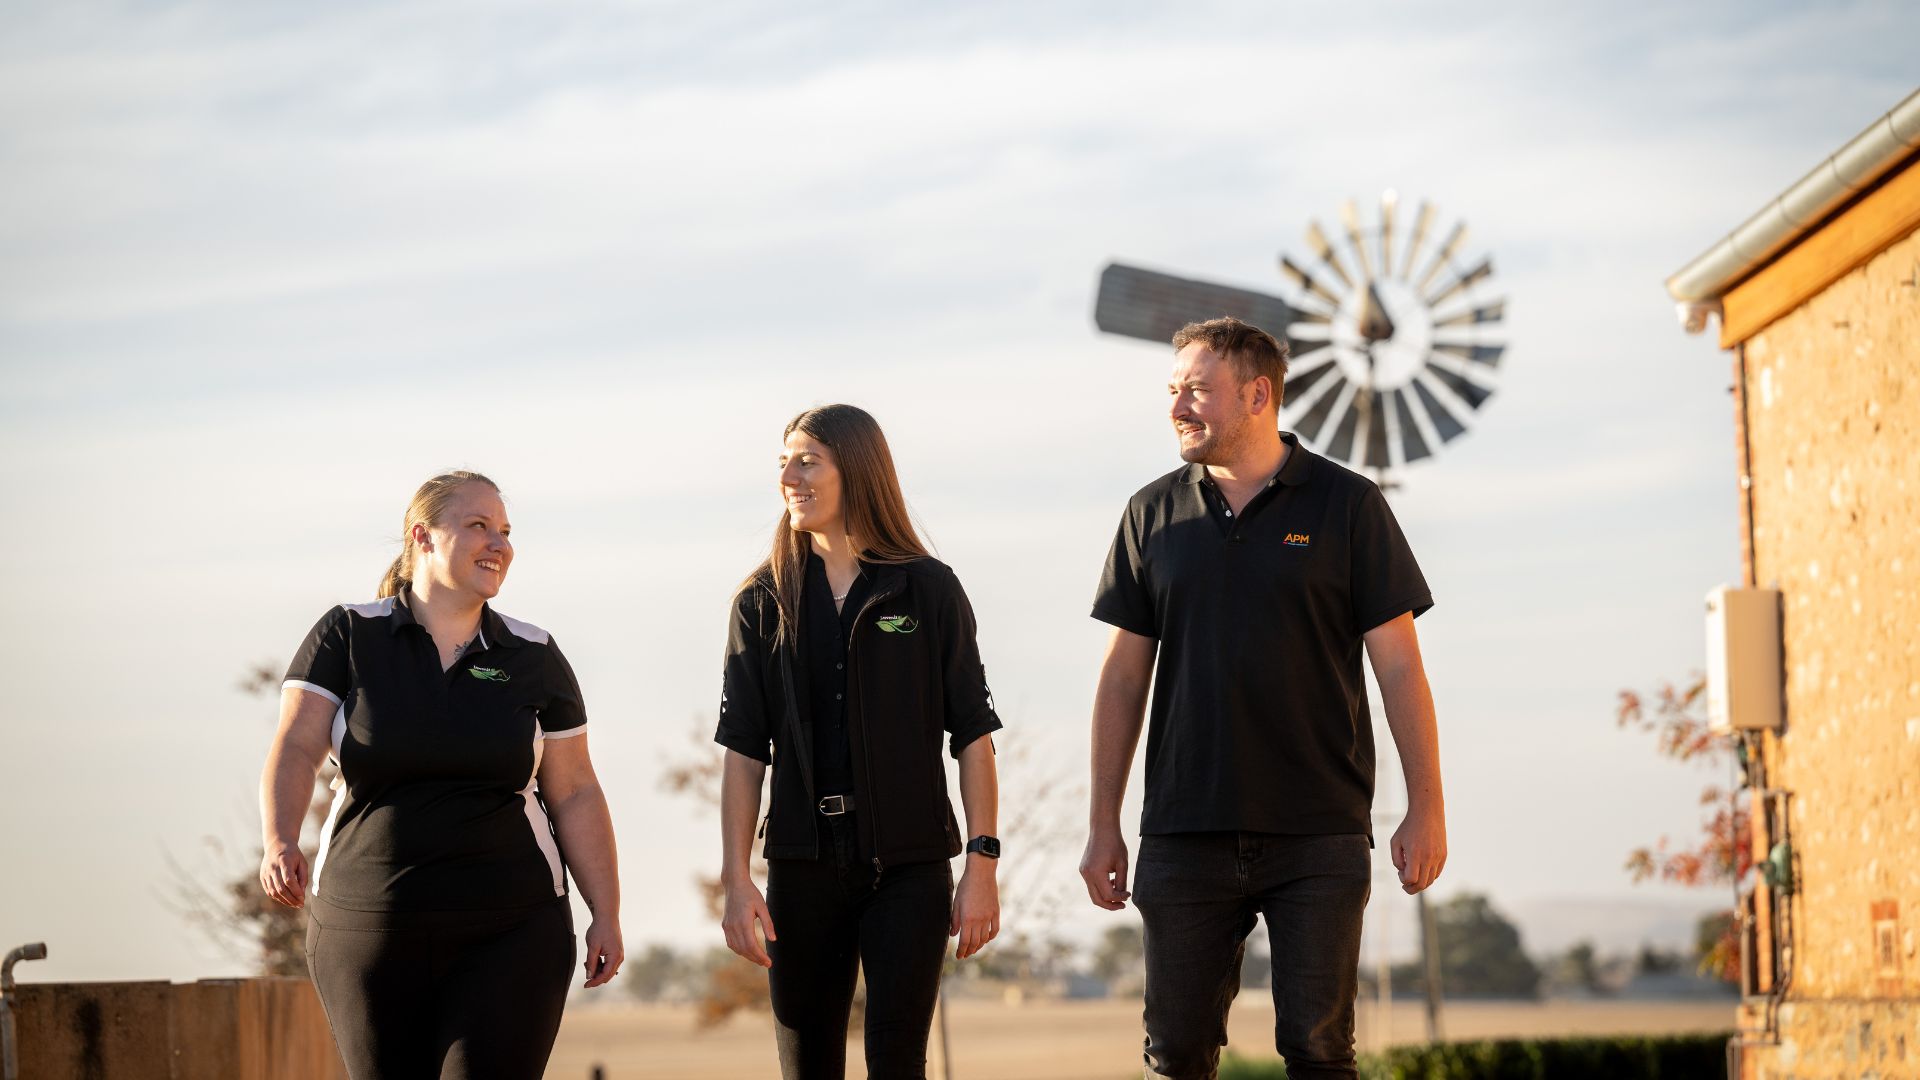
(428, 506)
(879, 527)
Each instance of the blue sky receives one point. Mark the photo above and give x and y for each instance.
(265, 267)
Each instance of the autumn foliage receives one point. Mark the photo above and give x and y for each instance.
(1719, 854)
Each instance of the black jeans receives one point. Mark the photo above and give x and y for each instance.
(833, 918)
(1198, 894)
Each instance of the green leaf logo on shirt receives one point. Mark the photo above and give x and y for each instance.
(897, 624)
(488, 674)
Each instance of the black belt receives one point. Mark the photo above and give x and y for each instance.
(835, 805)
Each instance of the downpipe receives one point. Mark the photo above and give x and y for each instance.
(9, 1050)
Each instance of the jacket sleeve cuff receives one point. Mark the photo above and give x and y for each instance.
(964, 737)
(744, 745)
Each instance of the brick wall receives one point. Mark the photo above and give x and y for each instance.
(1833, 426)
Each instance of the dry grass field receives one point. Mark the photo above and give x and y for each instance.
(1055, 1040)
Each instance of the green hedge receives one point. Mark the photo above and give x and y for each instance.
(1665, 1057)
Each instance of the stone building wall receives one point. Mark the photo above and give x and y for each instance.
(1833, 431)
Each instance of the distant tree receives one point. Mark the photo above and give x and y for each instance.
(1719, 855)
(728, 982)
(1654, 960)
(236, 914)
(1577, 968)
(1120, 952)
(655, 973)
(1480, 953)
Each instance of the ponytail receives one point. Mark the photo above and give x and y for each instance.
(398, 575)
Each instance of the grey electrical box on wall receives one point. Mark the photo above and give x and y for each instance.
(1744, 672)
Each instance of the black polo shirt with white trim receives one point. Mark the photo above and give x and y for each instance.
(436, 807)
(1259, 720)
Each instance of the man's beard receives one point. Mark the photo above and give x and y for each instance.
(1218, 445)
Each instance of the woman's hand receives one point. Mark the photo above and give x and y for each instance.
(976, 908)
(283, 874)
(605, 953)
(745, 906)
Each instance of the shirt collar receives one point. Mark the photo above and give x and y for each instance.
(1293, 472)
(491, 631)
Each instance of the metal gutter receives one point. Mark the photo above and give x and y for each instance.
(1780, 224)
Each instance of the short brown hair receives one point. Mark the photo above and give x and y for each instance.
(1252, 351)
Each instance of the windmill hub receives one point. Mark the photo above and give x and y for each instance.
(1398, 354)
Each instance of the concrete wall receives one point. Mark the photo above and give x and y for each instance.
(216, 1029)
(1833, 430)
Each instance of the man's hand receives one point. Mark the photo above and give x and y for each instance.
(1419, 849)
(1104, 869)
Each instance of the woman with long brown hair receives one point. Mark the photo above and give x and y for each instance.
(850, 661)
(439, 932)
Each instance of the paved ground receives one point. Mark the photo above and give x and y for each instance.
(1097, 1040)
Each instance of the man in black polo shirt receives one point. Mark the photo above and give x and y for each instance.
(1256, 572)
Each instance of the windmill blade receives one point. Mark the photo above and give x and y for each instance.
(1153, 306)
(1333, 399)
(1479, 354)
(1442, 257)
(1305, 280)
(1340, 446)
(1477, 274)
(1485, 313)
(1470, 393)
(1389, 205)
(1299, 382)
(1351, 219)
(1413, 445)
(1324, 248)
(1421, 223)
(1445, 425)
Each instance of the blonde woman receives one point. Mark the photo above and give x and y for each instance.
(439, 933)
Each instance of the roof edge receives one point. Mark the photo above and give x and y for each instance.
(1793, 214)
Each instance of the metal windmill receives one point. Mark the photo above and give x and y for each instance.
(1395, 344)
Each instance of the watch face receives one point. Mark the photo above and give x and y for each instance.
(986, 845)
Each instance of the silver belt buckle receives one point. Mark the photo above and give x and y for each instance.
(833, 805)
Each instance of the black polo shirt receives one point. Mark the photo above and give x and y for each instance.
(823, 646)
(1259, 720)
(436, 808)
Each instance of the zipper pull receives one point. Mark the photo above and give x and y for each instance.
(878, 869)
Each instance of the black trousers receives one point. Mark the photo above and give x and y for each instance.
(835, 919)
(460, 995)
(1198, 894)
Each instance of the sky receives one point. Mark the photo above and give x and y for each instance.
(265, 267)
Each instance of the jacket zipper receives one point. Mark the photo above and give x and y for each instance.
(791, 714)
(870, 808)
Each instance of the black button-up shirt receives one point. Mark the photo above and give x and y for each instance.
(436, 807)
(1259, 719)
(823, 646)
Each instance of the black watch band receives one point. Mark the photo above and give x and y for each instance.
(984, 845)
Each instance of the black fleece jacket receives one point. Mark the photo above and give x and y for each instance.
(913, 676)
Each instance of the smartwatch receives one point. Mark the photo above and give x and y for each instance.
(985, 845)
